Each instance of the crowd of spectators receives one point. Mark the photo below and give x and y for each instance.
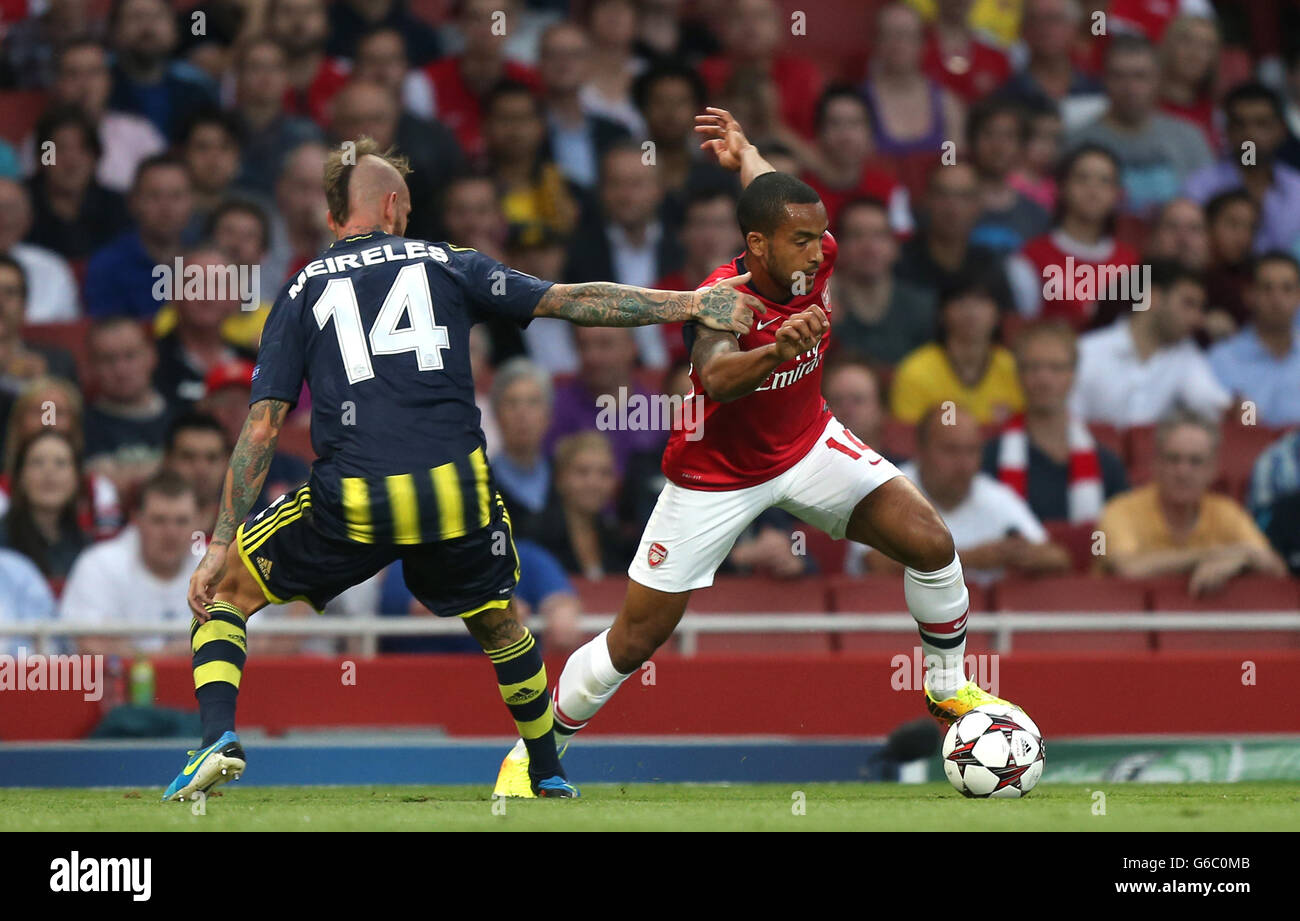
(971, 152)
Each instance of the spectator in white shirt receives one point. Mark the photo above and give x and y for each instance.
(52, 289)
(141, 576)
(992, 526)
(1136, 370)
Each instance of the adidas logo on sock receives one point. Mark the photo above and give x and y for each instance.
(523, 695)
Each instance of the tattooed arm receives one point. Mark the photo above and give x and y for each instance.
(602, 303)
(248, 465)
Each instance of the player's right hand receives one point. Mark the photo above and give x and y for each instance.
(723, 136)
(801, 332)
(206, 578)
(723, 307)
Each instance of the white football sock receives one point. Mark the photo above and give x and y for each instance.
(588, 680)
(939, 602)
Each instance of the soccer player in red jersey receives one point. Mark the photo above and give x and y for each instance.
(764, 437)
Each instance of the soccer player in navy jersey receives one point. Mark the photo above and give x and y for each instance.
(378, 326)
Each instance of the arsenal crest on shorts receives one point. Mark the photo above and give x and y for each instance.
(657, 554)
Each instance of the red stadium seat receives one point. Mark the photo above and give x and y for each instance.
(880, 594)
(1139, 451)
(601, 596)
(1241, 445)
(19, 110)
(898, 439)
(826, 551)
(1108, 437)
(761, 595)
(1088, 594)
(69, 336)
(1133, 230)
(1076, 539)
(1252, 592)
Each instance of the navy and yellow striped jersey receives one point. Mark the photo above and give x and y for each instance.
(379, 327)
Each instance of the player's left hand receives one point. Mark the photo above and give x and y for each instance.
(725, 137)
(206, 578)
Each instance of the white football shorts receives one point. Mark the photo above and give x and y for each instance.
(691, 531)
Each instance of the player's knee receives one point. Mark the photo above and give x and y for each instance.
(931, 548)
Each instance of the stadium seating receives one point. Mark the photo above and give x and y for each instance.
(1074, 593)
(19, 110)
(1251, 592)
(1108, 437)
(69, 336)
(601, 596)
(884, 595)
(1076, 539)
(760, 595)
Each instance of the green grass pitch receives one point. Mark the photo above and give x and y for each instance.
(668, 807)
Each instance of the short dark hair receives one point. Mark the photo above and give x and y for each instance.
(703, 194)
(158, 161)
(211, 115)
(194, 421)
(832, 93)
(1128, 43)
(1253, 91)
(762, 205)
(166, 483)
(1219, 203)
(509, 87)
(645, 82)
(856, 204)
(987, 110)
(75, 44)
(58, 117)
(102, 324)
(1166, 273)
(1273, 257)
(237, 205)
(980, 282)
(973, 282)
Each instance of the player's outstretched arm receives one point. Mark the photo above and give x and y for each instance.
(249, 462)
(601, 303)
(728, 142)
(727, 373)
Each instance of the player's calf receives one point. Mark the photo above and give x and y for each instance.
(897, 520)
(521, 675)
(596, 670)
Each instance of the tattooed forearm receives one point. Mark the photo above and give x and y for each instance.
(600, 303)
(248, 465)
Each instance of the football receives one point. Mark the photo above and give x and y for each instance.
(994, 751)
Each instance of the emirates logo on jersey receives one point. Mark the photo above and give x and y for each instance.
(806, 364)
(656, 554)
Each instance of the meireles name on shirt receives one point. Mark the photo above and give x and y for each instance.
(344, 262)
(103, 874)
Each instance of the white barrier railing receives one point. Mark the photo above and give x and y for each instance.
(1003, 625)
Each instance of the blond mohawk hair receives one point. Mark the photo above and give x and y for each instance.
(338, 171)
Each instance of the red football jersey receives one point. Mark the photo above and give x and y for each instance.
(748, 441)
